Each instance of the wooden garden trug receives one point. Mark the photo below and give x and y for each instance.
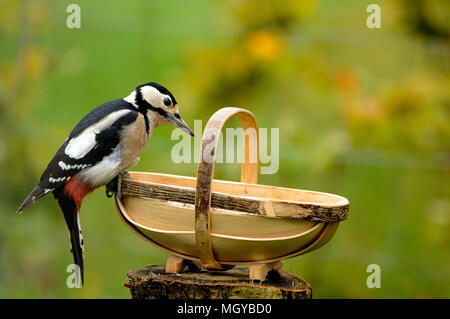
(211, 226)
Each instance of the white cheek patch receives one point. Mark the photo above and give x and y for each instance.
(152, 95)
(79, 146)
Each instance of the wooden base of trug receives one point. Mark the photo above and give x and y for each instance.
(175, 265)
(152, 282)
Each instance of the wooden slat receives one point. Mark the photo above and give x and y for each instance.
(269, 208)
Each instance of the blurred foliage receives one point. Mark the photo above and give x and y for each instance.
(428, 18)
(363, 113)
(263, 64)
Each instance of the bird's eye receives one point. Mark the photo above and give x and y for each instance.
(167, 101)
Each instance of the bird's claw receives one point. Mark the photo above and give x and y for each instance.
(111, 188)
(115, 186)
(126, 175)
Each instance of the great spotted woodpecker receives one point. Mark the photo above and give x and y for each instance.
(103, 144)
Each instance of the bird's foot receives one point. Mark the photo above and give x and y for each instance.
(126, 175)
(111, 187)
(115, 186)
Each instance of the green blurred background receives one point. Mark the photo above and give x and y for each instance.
(363, 113)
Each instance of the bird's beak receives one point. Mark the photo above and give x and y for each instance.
(177, 121)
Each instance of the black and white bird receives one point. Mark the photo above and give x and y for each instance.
(103, 144)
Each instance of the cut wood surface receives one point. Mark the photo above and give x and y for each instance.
(322, 211)
(152, 282)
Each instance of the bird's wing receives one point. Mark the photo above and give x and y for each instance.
(94, 137)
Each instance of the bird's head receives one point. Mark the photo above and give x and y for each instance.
(153, 97)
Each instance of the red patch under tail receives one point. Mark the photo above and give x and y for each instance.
(76, 189)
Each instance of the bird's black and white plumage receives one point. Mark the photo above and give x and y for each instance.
(103, 144)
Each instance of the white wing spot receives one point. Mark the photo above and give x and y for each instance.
(57, 180)
(79, 146)
(67, 167)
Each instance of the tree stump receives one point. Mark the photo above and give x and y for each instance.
(152, 282)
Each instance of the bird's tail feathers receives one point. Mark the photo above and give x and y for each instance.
(72, 218)
(35, 194)
(76, 240)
